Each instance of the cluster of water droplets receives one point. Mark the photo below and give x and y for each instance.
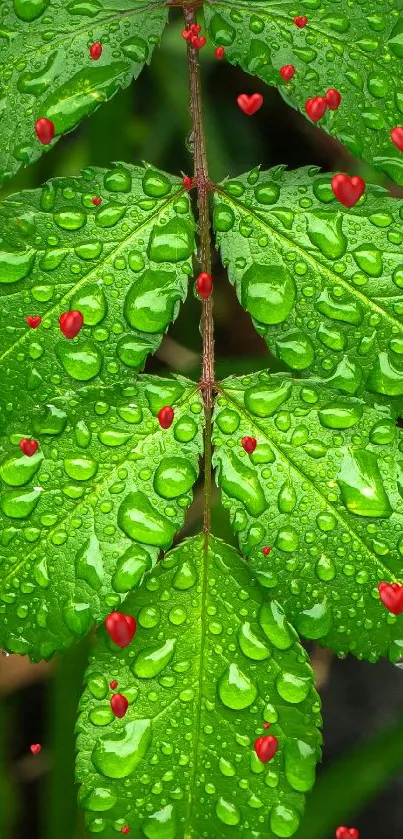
(47, 71)
(322, 284)
(359, 54)
(87, 514)
(124, 265)
(324, 489)
(212, 660)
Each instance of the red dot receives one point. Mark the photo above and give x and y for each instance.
(187, 182)
(219, 53)
(45, 130)
(204, 285)
(249, 444)
(36, 748)
(266, 550)
(287, 72)
(113, 685)
(166, 416)
(96, 200)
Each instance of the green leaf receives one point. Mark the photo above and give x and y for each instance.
(323, 490)
(47, 71)
(343, 47)
(322, 283)
(212, 659)
(86, 516)
(123, 264)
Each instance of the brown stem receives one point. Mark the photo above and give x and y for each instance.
(203, 185)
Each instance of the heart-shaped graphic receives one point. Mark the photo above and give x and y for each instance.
(333, 98)
(96, 200)
(71, 323)
(198, 42)
(287, 72)
(347, 833)
(249, 444)
(28, 447)
(250, 104)
(166, 416)
(33, 321)
(316, 108)
(391, 595)
(35, 748)
(300, 21)
(119, 705)
(266, 747)
(120, 628)
(347, 190)
(397, 137)
(45, 130)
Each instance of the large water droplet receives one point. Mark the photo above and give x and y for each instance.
(251, 645)
(275, 626)
(150, 303)
(152, 660)
(268, 292)
(171, 242)
(17, 471)
(161, 825)
(29, 10)
(117, 755)
(227, 812)
(263, 400)
(130, 568)
(241, 482)
(339, 414)
(235, 689)
(19, 505)
(140, 520)
(89, 563)
(81, 361)
(361, 485)
(325, 232)
(91, 302)
(173, 477)
(15, 266)
(315, 622)
(156, 184)
(300, 761)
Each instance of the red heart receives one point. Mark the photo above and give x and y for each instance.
(33, 321)
(266, 551)
(166, 416)
(35, 748)
(250, 104)
(71, 323)
(120, 628)
(287, 72)
(219, 53)
(347, 833)
(119, 705)
(333, 98)
(96, 51)
(347, 190)
(28, 447)
(186, 34)
(391, 595)
(113, 684)
(96, 200)
(249, 444)
(198, 42)
(316, 108)
(397, 137)
(300, 22)
(266, 747)
(187, 182)
(45, 130)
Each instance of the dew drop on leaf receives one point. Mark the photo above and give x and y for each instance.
(235, 689)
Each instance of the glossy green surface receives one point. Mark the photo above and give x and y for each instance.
(212, 660)
(46, 69)
(355, 47)
(86, 516)
(323, 283)
(323, 489)
(124, 264)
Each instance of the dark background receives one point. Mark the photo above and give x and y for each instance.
(360, 782)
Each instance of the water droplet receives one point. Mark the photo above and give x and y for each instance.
(227, 812)
(185, 429)
(19, 505)
(275, 626)
(130, 569)
(29, 10)
(339, 308)
(227, 768)
(117, 755)
(241, 482)
(89, 563)
(315, 622)
(325, 569)
(268, 292)
(156, 184)
(267, 192)
(369, 258)
(81, 467)
(81, 361)
(263, 400)
(251, 645)
(185, 577)
(142, 522)
(383, 432)
(296, 350)
(152, 660)
(171, 242)
(287, 498)
(294, 687)
(15, 265)
(173, 477)
(91, 302)
(235, 689)
(161, 825)
(17, 471)
(151, 301)
(284, 821)
(326, 233)
(362, 489)
(300, 761)
(339, 414)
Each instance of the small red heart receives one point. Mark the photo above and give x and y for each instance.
(266, 725)
(186, 34)
(391, 595)
(347, 833)
(71, 323)
(300, 22)
(125, 829)
(120, 628)
(333, 98)
(266, 747)
(250, 104)
(187, 182)
(198, 42)
(45, 130)
(96, 51)
(204, 285)
(347, 190)
(397, 137)
(316, 108)
(287, 72)
(249, 444)
(166, 416)
(266, 551)
(219, 53)
(97, 200)
(36, 748)
(119, 705)
(195, 28)
(33, 321)
(28, 447)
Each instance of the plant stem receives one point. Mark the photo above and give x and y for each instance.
(201, 176)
